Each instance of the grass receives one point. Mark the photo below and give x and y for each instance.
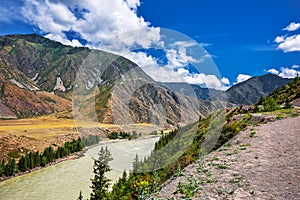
(14, 154)
(252, 134)
(45, 127)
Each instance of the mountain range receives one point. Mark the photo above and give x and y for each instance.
(41, 77)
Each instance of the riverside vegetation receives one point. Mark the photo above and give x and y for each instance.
(31, 160)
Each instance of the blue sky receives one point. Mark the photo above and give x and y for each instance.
(243, 38)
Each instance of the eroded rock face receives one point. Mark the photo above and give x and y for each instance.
(40, 77)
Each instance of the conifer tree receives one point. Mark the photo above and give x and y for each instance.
(80, 197)
(135, 163)
(100, 182)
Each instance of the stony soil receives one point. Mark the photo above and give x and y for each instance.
(265, 165)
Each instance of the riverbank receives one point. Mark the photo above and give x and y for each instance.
(66, 179)
(76, 155)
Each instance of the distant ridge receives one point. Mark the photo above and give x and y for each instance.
(249, 91)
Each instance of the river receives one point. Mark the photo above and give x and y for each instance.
(64, 180)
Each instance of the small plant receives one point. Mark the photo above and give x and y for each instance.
(215, 158)
(208, 180)
(245, 145)
(227, 144)
(230, 191)
(252, 134)
(222, 166)
(223, 149)
(218, 165)
(178, 172)
(231, 153)
(190, 188)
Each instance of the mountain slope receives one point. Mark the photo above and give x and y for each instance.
(20, 96)
(249, 92)
(107, 87)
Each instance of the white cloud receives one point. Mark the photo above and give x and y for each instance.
(113, 25)
(288, 43)
(286, 72)
(279, 39)
(225, 81)
(74, 42)
(292, 27)
(177, 56)
(103, 20)
(150, 66)
(273, 71)
(183, 72)
(242, 77)
(210, 81)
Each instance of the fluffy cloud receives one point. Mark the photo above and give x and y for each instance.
(273, 71)
(101, 20)
(210, 81)
(295, 66)
(225, 81)
(242, 77)
(150, 66)
(113, 25)
(292, 27)
(289, 43)
(177, 56)
(286, 72)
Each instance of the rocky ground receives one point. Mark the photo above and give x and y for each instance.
(261, 162)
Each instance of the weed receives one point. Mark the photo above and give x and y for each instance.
(223, 149)
(178, 172)
(215, 158)
(245, 145)
(190, 188)
(218, 165)
(231, 153)
(230, 191)
(227, 144)
(252, 134)
(205, 181)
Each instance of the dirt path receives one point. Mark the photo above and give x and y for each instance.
(261, 162)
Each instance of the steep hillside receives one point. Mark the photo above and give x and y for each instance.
(21, 97)
(288, 93)
(40, 76)
(192, 90)
(249, 92)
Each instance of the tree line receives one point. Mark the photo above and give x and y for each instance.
(36, 159)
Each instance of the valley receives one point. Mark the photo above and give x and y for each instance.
(52, 94)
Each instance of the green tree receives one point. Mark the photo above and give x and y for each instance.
(10, 167)
(287, 104)
(22, 165)
(270, 104)
(100, 182)
(135, 163)
(80, 197)
(2, 168)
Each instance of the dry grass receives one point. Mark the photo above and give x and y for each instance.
(42, 128)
